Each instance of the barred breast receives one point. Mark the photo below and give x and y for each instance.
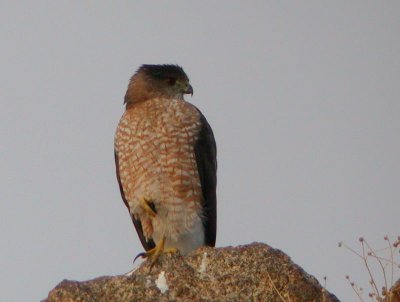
(155, 145)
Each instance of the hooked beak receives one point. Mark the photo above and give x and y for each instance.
(189, 90)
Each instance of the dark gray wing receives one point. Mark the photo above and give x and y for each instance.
(206, 157)
(147, 244)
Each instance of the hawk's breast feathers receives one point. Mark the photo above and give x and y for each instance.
(165, 153)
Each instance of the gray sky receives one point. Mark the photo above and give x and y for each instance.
(303, 97)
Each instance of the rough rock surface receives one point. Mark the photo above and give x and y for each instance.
(254, 272)
(394, 294)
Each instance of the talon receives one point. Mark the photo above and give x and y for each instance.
(148, 206)
(154, 253)
(143, 255)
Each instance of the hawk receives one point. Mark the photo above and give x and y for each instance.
(165, 155)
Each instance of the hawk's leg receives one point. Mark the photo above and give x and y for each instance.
(148, 206)
(155, 252)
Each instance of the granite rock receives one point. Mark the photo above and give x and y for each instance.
(254, 272)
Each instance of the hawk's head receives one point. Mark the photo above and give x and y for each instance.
(151, 81)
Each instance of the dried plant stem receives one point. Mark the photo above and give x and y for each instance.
(379, 261)
(273, 285)
(373, 284)
(394, 263)
(356, 291)
(350, 249)
(392, 260)
(366, 254)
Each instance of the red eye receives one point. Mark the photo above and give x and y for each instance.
(171, 81)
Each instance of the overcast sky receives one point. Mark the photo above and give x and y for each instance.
(303, 98)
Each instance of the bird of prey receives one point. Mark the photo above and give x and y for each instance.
(165, 157)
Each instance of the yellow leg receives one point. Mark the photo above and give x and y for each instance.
(155, 252)
(144, 202)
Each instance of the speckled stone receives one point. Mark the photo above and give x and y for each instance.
(394, 293)
(254, 272)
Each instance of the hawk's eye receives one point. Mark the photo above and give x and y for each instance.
(171, 81)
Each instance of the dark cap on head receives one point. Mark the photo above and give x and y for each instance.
(152, 81)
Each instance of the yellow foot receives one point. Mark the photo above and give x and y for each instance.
(154, 253)
(145, 203)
